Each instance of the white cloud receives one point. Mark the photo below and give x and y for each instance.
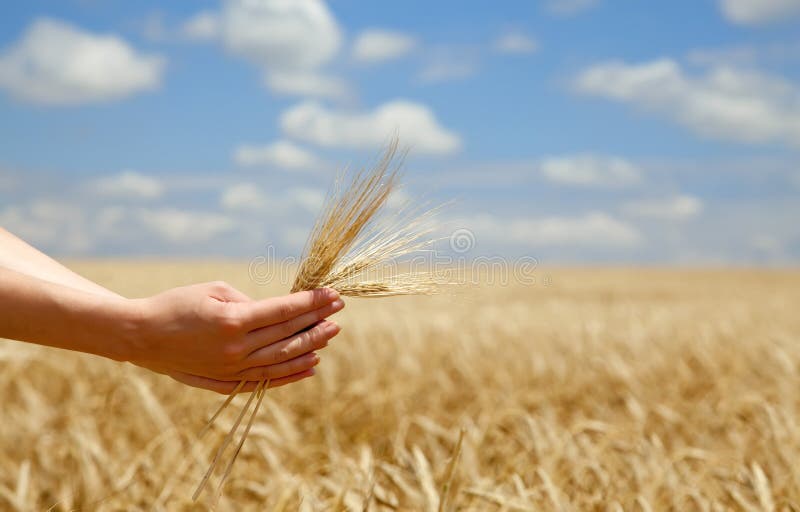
(676, 208)
(289, 40)
(381, 45)
(768, 245)
(398, 199)
(746, 54)
(281, 34)
(414, 123)
(306, 83)
(129, 184)
(758, 12)
(590, 171)
(58, 64)
(310, 199)
(725, 103)
(109, 222)
(203, 26)
(446, 64)
(248, 197)
(569, 7)
(515, 42)
(184, 226)
(281, 153)
(49, 223)
(736, 55)
(596, 229)
(294, 237)
(243, 197)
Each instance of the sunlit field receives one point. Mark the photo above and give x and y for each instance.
(606, 389)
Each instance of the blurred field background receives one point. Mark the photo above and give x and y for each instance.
(606, 389)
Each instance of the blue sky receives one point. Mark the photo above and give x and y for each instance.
(586, 131)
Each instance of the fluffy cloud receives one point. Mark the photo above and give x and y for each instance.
(243, 197)
(596, 229)
(310, 199)
(447, 63)
(381, 45)
(281, 153)
(248, 197)
(757, 12)
(515, 42)
(58, 64)
(306, 83)
(769, 247)
(49, 224)
(746, 54)
(414, 123)
(676, 208)
(569, 7)
(725, 103)
(289, 41)
(203, 26)
(129, 184)
(590, 171)
(276, 33)
(184, 226)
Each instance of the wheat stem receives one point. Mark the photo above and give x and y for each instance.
(260, 391)
(222, 447)
(451, 471)
(221, 408)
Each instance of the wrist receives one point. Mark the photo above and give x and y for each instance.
(131, 328)
(114, 328)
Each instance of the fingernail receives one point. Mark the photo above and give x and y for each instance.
(312, 371)
(331, 293)
(331, 328)
(337, 304)
(315, 358)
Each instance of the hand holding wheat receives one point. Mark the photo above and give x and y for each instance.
(351, 250)
(212, 336)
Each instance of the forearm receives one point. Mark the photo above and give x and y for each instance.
(17, 255)
(42, 312)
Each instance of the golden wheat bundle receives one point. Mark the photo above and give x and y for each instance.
(353, 248)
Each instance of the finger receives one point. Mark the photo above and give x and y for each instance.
(218, 386)
(227, 387)
(280, 309)
(270, 334)
(293, 346)
(292, 378)
(280, 370)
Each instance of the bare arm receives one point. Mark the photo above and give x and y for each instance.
(17, 255)
(46, 313)
(201, 335)
(208, 335)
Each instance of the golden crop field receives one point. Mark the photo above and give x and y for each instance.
(606, 389)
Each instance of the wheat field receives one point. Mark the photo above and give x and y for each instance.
(603, 389)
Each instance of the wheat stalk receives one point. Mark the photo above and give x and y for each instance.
(353, 249)
(351, 241)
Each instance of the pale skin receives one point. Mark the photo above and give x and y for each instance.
(208, 335)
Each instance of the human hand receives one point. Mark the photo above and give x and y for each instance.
(212, 336)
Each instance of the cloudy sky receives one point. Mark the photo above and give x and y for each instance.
(567, 130)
